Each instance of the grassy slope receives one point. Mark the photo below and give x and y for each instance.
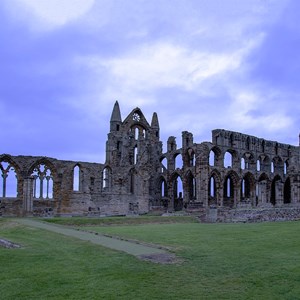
(226, 261)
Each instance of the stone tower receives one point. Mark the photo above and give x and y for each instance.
(133, 152)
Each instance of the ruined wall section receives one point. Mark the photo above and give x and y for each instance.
(57, 196)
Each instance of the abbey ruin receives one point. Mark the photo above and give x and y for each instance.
(233, 177)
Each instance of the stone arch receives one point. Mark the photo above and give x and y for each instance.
(276, 190)
(76, 178)
(178, 162)
(9, 177)
(43, 174)
(163, 187)
(230, 189)
(230, 159)
(106, 179)
(214, 185)
(248, 189)
(190, 186)
(215, 155)
(277, 163)
(248, 160)
(177, 191)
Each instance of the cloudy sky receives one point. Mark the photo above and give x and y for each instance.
(200, 64)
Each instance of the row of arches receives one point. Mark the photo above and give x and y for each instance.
(247, 161)
(228, 191)
(42, 181)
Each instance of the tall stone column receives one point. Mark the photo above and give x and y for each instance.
(28, 196)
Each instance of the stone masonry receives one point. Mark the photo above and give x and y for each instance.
(233, 175)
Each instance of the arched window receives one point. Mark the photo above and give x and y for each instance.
(227, 160)
(43, 182)
(272, 167)
(285, 167)
(136, 133)
(243, 163)
(8, 180)
(135, 155)
(164, 189)
(178, 161)
(211, 158)
(212, 187)
(106, 178)
(76, 178)
(258, 165)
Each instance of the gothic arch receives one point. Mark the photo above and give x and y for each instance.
(10, 184)
(214, 186)
(276, 187)
(214, 157)
(190, 186)
(106, 179)
(43, 173)
(248, 188)
(177, 191)
(230, 189)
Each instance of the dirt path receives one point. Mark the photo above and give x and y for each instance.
(138, 250)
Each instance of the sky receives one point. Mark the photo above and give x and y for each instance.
(200, 64)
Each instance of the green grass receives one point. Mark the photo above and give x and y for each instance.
(225, 261)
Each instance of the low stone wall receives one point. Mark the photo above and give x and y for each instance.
(256, 215)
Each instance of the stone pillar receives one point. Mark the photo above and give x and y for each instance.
(28, 195)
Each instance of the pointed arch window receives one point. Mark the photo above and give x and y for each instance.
(76, 178)
(227, 160)
(106, 179)
(211, 158)
(8, 180)
(43, 182)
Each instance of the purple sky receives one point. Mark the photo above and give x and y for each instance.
(200, 64)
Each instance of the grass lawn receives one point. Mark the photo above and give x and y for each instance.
(225, 261)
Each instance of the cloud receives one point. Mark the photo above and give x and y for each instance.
(50, 14)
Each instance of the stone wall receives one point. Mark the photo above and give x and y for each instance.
(234, 172)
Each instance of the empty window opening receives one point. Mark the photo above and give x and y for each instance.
(272, 167)
(106, 177)
(8, 180)
(227, 160)
(136, 133)
(258, 165)
(164, 189)
(228, 188)
(243, 163)
(285, 167)
(212, 187)
(178, 161)
(178, 187)
(135, 155)
(76, 178)
(43, 182)
(212, 158)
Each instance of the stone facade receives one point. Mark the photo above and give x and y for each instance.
(233, 172)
